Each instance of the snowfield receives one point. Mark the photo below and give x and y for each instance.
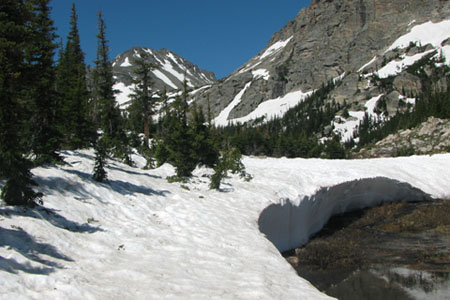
(140, 237)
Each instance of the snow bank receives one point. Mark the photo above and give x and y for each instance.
(426, 33)
(261, 73)
(164, 78)
(140, 237)
(275, 48)
(126, 63)
(222, 118)
(123, 97)
(269, 109)
(395, 67)
(346, 127)
(289, 226)
(274, 107)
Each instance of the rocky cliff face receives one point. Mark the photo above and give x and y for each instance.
(169, 73)
(346, 40)
(433, 136)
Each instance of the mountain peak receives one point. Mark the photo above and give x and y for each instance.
(169, 73)
(328, 41)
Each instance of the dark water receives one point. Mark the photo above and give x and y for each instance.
(380, 282)
(397, 252)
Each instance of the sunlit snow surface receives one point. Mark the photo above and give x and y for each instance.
(427, 33)
(272, 108)
(222, 118)
(268, 109)
(123, 96)
(261, 73)
(275, 48)
(126, 63)
(139, 237)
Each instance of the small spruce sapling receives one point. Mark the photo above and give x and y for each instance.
(100, 174)
(230, 161)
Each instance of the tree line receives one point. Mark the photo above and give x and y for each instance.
(51, 100)
(295, 134)
(45, 102)
(431, 101)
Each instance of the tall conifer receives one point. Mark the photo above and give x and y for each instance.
(44, 135)
(143, 104)
(72, 87)
(108, 113)
(15, 19)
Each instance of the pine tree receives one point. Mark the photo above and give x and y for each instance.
(44, 135)
(100, 174)
(72, 88)
(15, 37)
(108, 112)
(203, 144)
(142, 105)
(109, 116)
(175, 144)
(230, 161)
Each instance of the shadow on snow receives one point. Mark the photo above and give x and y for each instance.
(112, 167)
(119, 186)
(51, 216)
(20, 241)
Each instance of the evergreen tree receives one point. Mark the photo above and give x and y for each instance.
(175, 145)
(185, 144)
(203, 144)
(44, 137)
(142, 106)
(109, 116)
(108, 113)
(230, 161)
(72, 88)
(15, 37)
(100, 174)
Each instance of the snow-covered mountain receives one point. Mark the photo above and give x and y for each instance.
(342, 40)
(140, 237)
(169, 73)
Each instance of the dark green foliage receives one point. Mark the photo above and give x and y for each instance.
(141, 108)
(203, 143)
(293, 135)
(174, 144)
(75, 121)
(16, 36)
(334, 149)
(381, 107)
(182, 144)
(178, 144)
(230, 161)
(107, 112)
(44, 136)
(430, 102)
(101, 152)
(17, 190)
(417, 67)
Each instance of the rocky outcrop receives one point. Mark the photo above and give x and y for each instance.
(408, 84)
(328, 40)
(433, 136)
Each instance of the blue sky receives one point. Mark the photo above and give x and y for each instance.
(218, 36)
